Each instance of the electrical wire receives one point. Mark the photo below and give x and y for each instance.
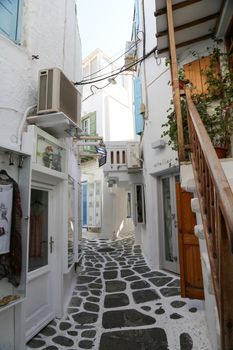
(109, 64)
(122, 69)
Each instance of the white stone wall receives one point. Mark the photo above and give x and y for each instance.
(50, 31)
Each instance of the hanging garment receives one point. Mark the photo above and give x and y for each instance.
(6, 197)
(11, 262)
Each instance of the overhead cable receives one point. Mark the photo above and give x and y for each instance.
(122, 69)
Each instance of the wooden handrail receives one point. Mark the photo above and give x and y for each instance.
(220, 181)
(216, 206)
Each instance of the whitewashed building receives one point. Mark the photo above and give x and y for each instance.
(107, 112)
(38, 153)
(182, 31)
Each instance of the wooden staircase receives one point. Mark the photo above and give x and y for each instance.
(216, 209)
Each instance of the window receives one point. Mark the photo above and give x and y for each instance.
(139, 123)
(89, 128)
(10, 14)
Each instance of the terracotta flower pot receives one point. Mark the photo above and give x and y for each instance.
(221, 151)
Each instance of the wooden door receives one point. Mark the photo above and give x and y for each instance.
(191, 281)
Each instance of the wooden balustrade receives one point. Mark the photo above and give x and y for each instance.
(216, 205)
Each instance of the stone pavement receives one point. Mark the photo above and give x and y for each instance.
(120, 304)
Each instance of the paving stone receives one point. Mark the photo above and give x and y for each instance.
(175, 316)
(159, 311)
(35, 344)
(48, 331)
(186, 342)
(95, 286)
(132, 278)
(106, 250)
(143, 339)
(52, 347)
(64, 326)
(85, 344)
(146, 308)
(75, 301)
(127, 272)
(143, 296)
(73, 333)
(160, 281)
(115, 286)
(89, 333)
(85, 317)
(91, 307)
(193, 309)
(81, 288)
(139, 285)
(141, 269)
(85, 279)
(109, 275)
(64, 341)
(116, 300)
(53, 323)
(178, 303)
(126, 318)
(93, 299)
(169, 292)
(175, 283)
(154, 274)
(96, 292)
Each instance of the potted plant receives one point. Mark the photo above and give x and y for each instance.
(215, 107)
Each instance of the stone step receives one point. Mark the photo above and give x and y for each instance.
(207, 278)
(189, 185)
(199, 231)
(195, 205)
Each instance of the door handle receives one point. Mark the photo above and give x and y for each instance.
(51, 243)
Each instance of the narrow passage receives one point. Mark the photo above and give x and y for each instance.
(118, 303)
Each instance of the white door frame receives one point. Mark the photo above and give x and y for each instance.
(49, 269)
(172, 266)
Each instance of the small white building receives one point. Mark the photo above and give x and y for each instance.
(107, 112)
(35, 152)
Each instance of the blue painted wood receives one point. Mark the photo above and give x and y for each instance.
(9, 17)
(137, 106)
(84, 203)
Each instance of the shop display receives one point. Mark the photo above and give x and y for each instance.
(49, 154)
(10, 228)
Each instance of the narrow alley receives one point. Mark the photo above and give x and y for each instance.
(118, 303)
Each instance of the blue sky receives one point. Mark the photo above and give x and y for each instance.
(105, 24)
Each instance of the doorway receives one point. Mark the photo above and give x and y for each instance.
(40, 302)
(169, 224)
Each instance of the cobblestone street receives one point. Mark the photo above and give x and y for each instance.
(118, 303)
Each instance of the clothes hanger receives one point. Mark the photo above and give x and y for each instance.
(3, 172)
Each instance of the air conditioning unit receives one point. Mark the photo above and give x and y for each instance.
(58, 94)
(133, 156)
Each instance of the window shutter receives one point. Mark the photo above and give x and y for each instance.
(9, 14)
(92, 124)
(137, 106)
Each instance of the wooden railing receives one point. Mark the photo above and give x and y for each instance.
(216, 206)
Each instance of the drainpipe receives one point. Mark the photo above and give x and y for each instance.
(20, 130)
(175, 80)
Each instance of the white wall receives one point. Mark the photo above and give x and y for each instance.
(50, 31)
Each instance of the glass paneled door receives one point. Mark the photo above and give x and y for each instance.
(40, 304)
(169, 223)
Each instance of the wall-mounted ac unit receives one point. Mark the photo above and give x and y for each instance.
(130, 55)
(58, 94)
(133, 156)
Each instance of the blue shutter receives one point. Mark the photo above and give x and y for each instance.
(9, 16)
(84, 203)
(137, 106)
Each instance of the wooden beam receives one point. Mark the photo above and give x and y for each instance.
(175, 81)
(175, 7)
(189, 24)
(188, 42)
